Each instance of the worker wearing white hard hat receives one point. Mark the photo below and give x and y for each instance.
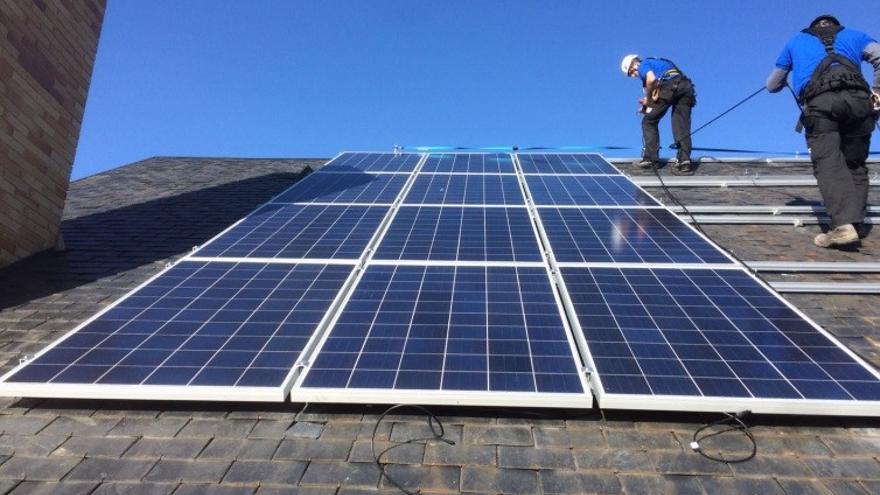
(665, 87)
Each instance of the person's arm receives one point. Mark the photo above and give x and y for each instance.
(871, 54)
(650, 81)
(776, 80)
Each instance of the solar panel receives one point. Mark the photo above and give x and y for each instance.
(291, 231)
(625, 235)
(420, 333)
(373, 162)
(586, 190)
(460, 234)
(702, 339)
(322, 187)
(488, 163)
(565, 163)
(216, 331)
(466, 189)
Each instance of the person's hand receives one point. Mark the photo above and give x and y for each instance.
(875, 100)
(643, 101)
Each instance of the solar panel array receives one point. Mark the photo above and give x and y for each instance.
(459, 278)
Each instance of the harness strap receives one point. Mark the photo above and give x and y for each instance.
(850, 78)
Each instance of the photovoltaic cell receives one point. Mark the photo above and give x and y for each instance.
(495, 163)
(373, 162)
(211, 324)
(465, 189)
(345, 188)
(460, 234)
(595, 190)
(281, 230)
(449, 328)
(707, 333)
(561, 163)
(624, 236)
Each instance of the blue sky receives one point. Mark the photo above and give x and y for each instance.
(284, 78)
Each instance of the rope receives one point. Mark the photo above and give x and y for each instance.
(677, 144)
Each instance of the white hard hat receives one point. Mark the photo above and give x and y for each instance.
(626, 62)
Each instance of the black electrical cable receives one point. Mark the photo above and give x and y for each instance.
(685, 209)
(436, 431)
(736, 424)
(677, 144)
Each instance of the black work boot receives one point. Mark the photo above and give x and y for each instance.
(683, 168)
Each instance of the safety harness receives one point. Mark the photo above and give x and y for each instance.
(835, 71)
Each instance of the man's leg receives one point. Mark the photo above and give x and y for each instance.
(681, 122)
(855, 151)
(650, 132)
(855, 145)
(835, 179)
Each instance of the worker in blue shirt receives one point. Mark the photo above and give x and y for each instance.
(665, 87)
(839, 113)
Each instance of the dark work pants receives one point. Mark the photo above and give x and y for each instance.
(679, 95)
(839, 126)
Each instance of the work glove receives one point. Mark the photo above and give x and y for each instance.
(875, 100)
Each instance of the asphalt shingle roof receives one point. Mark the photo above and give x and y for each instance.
(122, 226)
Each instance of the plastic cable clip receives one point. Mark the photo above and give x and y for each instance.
(695, 446)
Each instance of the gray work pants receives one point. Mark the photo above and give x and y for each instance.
(839, 126)
(679, 95)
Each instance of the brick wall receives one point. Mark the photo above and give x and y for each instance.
(47, 50)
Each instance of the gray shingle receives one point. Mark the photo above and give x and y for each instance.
(306, 449)
(245, 448)
(437, 453)
(37, 468)
(53, 488)
(37, 446)
(111, 469)
(359, 474)
(99, 446)
(167, 448)
(149, 427)
(171, 471)
(135, 489)
(265, 472)
(424, 478)
(512, 481)
(566, 482)
(535, 458)
(498, 435)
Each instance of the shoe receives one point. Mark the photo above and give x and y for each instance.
(684, 168)
(862, 229)
(840, 236)
(647, 164)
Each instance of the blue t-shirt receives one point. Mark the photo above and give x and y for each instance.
(803, 53)
(657, 66)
